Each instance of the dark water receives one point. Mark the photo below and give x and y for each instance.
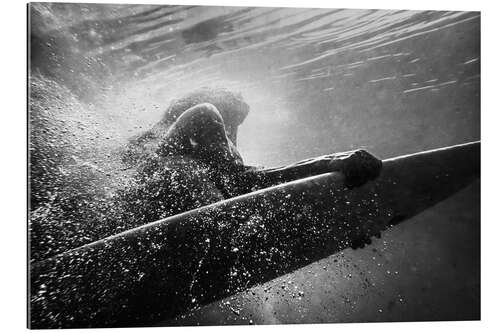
(317, 81)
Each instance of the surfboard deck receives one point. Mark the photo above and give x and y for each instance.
(168, 267)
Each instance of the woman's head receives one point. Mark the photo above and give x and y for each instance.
(231, 106)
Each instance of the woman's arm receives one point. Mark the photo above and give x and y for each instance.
(358, 167)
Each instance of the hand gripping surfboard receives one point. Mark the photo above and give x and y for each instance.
(168, 267)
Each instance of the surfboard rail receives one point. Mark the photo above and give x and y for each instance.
(168, 267)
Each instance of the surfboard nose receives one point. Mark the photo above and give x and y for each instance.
(428, 177)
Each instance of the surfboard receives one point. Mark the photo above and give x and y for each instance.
(168, 267)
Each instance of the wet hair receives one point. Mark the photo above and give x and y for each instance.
(231, 106)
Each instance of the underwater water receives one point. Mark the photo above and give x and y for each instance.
(317, 81)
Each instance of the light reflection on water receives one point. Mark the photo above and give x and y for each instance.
(337, 79)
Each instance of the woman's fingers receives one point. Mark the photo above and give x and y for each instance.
(359, 167)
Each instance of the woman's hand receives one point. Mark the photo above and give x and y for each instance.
(358, 166)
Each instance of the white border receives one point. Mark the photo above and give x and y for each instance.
(13, 139)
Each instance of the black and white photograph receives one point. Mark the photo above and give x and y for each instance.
(195, 165)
